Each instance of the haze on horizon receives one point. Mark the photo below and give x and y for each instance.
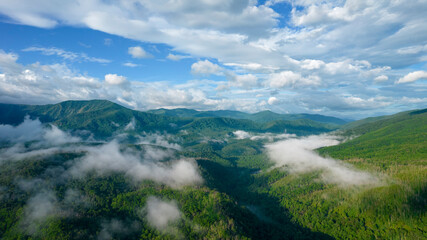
(349, 59)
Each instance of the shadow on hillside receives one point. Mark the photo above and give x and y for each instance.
(418, 202)
(270, 220)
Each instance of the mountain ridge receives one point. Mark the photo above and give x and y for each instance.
(105, 117)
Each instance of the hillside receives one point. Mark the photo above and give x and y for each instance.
(260, 117)
(397, 137)
(103, 118)
(214, 181)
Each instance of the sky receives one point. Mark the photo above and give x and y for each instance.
(350, 59)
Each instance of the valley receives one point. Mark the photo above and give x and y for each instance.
(97, 170)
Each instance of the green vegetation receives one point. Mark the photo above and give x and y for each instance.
(104, 119)
(260, 117)
(243, 195)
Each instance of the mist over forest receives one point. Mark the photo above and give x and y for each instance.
(226, 119)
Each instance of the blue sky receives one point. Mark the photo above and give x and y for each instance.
(349, 59)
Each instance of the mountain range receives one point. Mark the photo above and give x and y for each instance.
(187, 174)
(105, 117)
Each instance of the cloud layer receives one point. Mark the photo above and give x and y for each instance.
(297, 155)
(355, 56)
(108, 158)
(105, 159)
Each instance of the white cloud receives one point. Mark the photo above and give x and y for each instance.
(412, 77)
(31, 130)
(131, 125)
(38, 209)
(138, 52)
(246, 81)
(176, 57)
(311, 64)
(381, 78)
(114, 79)
(327, 40)
(108, 158)
(240, 134)
(161, 214)
(412, 49)
(273, 100)
(254, 67)
(297, 155)
(206, 68)
(72, 56)
(291, 79)
(130, 64)
(41, 84)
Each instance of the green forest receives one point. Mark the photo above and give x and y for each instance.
(97, 170)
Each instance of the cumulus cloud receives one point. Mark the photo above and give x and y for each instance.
(41, 84)
(161, 214)
(273, 100)
(297, 155)
(108, 158)
(206, 68)
(245, 81)
(292, 79)
(412, 77)
(138, 52)
(381, 78)
(327, 43)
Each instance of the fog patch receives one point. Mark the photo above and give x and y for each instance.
(31, 138)
(56, 136)
(131, 125)
(298, 155)
(108, 158)
(75, 200)
(29, 185)
(161, 140)
(20, 151)
(240, 134)
(161, 214)
(157, 154)
(38, 209)
(34, 130)
(28, 130)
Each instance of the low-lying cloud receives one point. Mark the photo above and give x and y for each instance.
(38, 209)
(161, 140)
(298, 155)
(108, 158)
(161, 214)
(34, 130)
(32, 138)
(240, 134)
